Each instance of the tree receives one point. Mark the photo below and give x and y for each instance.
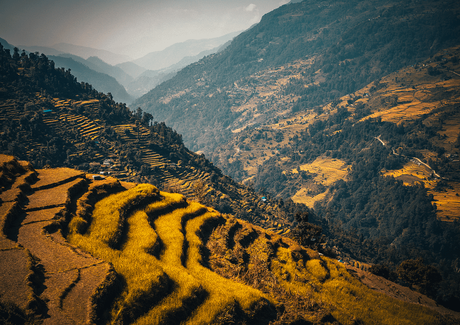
(421, 276)
(146, 118)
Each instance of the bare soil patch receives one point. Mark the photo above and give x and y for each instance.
(52, 197)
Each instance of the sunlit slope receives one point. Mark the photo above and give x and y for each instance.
(424, 98)
(104, 252)
(160, 259)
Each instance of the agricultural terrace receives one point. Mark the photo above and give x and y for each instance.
(112, 252)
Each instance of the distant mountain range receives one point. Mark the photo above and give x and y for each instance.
(174, 54)
(100, 67)
(86, 52)
(87, 71)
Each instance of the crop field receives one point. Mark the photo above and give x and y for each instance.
(327, 170)
(65, 118)
(109, 252)
(305, 197)
(414, 103)
(412, 173)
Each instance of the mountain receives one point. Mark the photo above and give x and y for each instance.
(100, 81)
(316, 105)
(173, 54)
(113, 71)
(92, 62)
(122, 244)
(86, 52)
(6, 45)
(41, 49)
(382, 162)
(93, 71)
(51, 119)
(344, 46)
(148, 80)
(131, 69)
(96, 64)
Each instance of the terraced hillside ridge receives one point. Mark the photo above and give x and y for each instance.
(51, 120)
(40, 270)
(78, 250)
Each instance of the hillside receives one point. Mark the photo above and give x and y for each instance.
(83, 250)
(315, 105)
(51, 120)
(338, 159)
(325, 50)
(413, 97)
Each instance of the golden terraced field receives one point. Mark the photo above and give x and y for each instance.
(106, 252)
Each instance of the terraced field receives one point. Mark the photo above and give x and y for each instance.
(75, 250)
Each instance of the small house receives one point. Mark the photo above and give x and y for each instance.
(107, 162)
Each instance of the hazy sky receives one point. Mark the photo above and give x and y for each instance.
(132, 27)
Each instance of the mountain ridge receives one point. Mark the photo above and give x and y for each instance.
(173, 54)
(86, 52)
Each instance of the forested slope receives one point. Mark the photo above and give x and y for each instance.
(381, 162)
(326, 49)
(50, 119)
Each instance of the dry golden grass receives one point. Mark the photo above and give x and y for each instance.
(196, 294)
(328, 170)
(222, 293)
(322, 287)
(143, 275)
(412, 173)
(303, 196)
(448, 202)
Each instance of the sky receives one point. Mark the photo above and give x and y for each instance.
(129, 27)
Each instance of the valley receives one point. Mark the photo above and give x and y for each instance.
(409, 95)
